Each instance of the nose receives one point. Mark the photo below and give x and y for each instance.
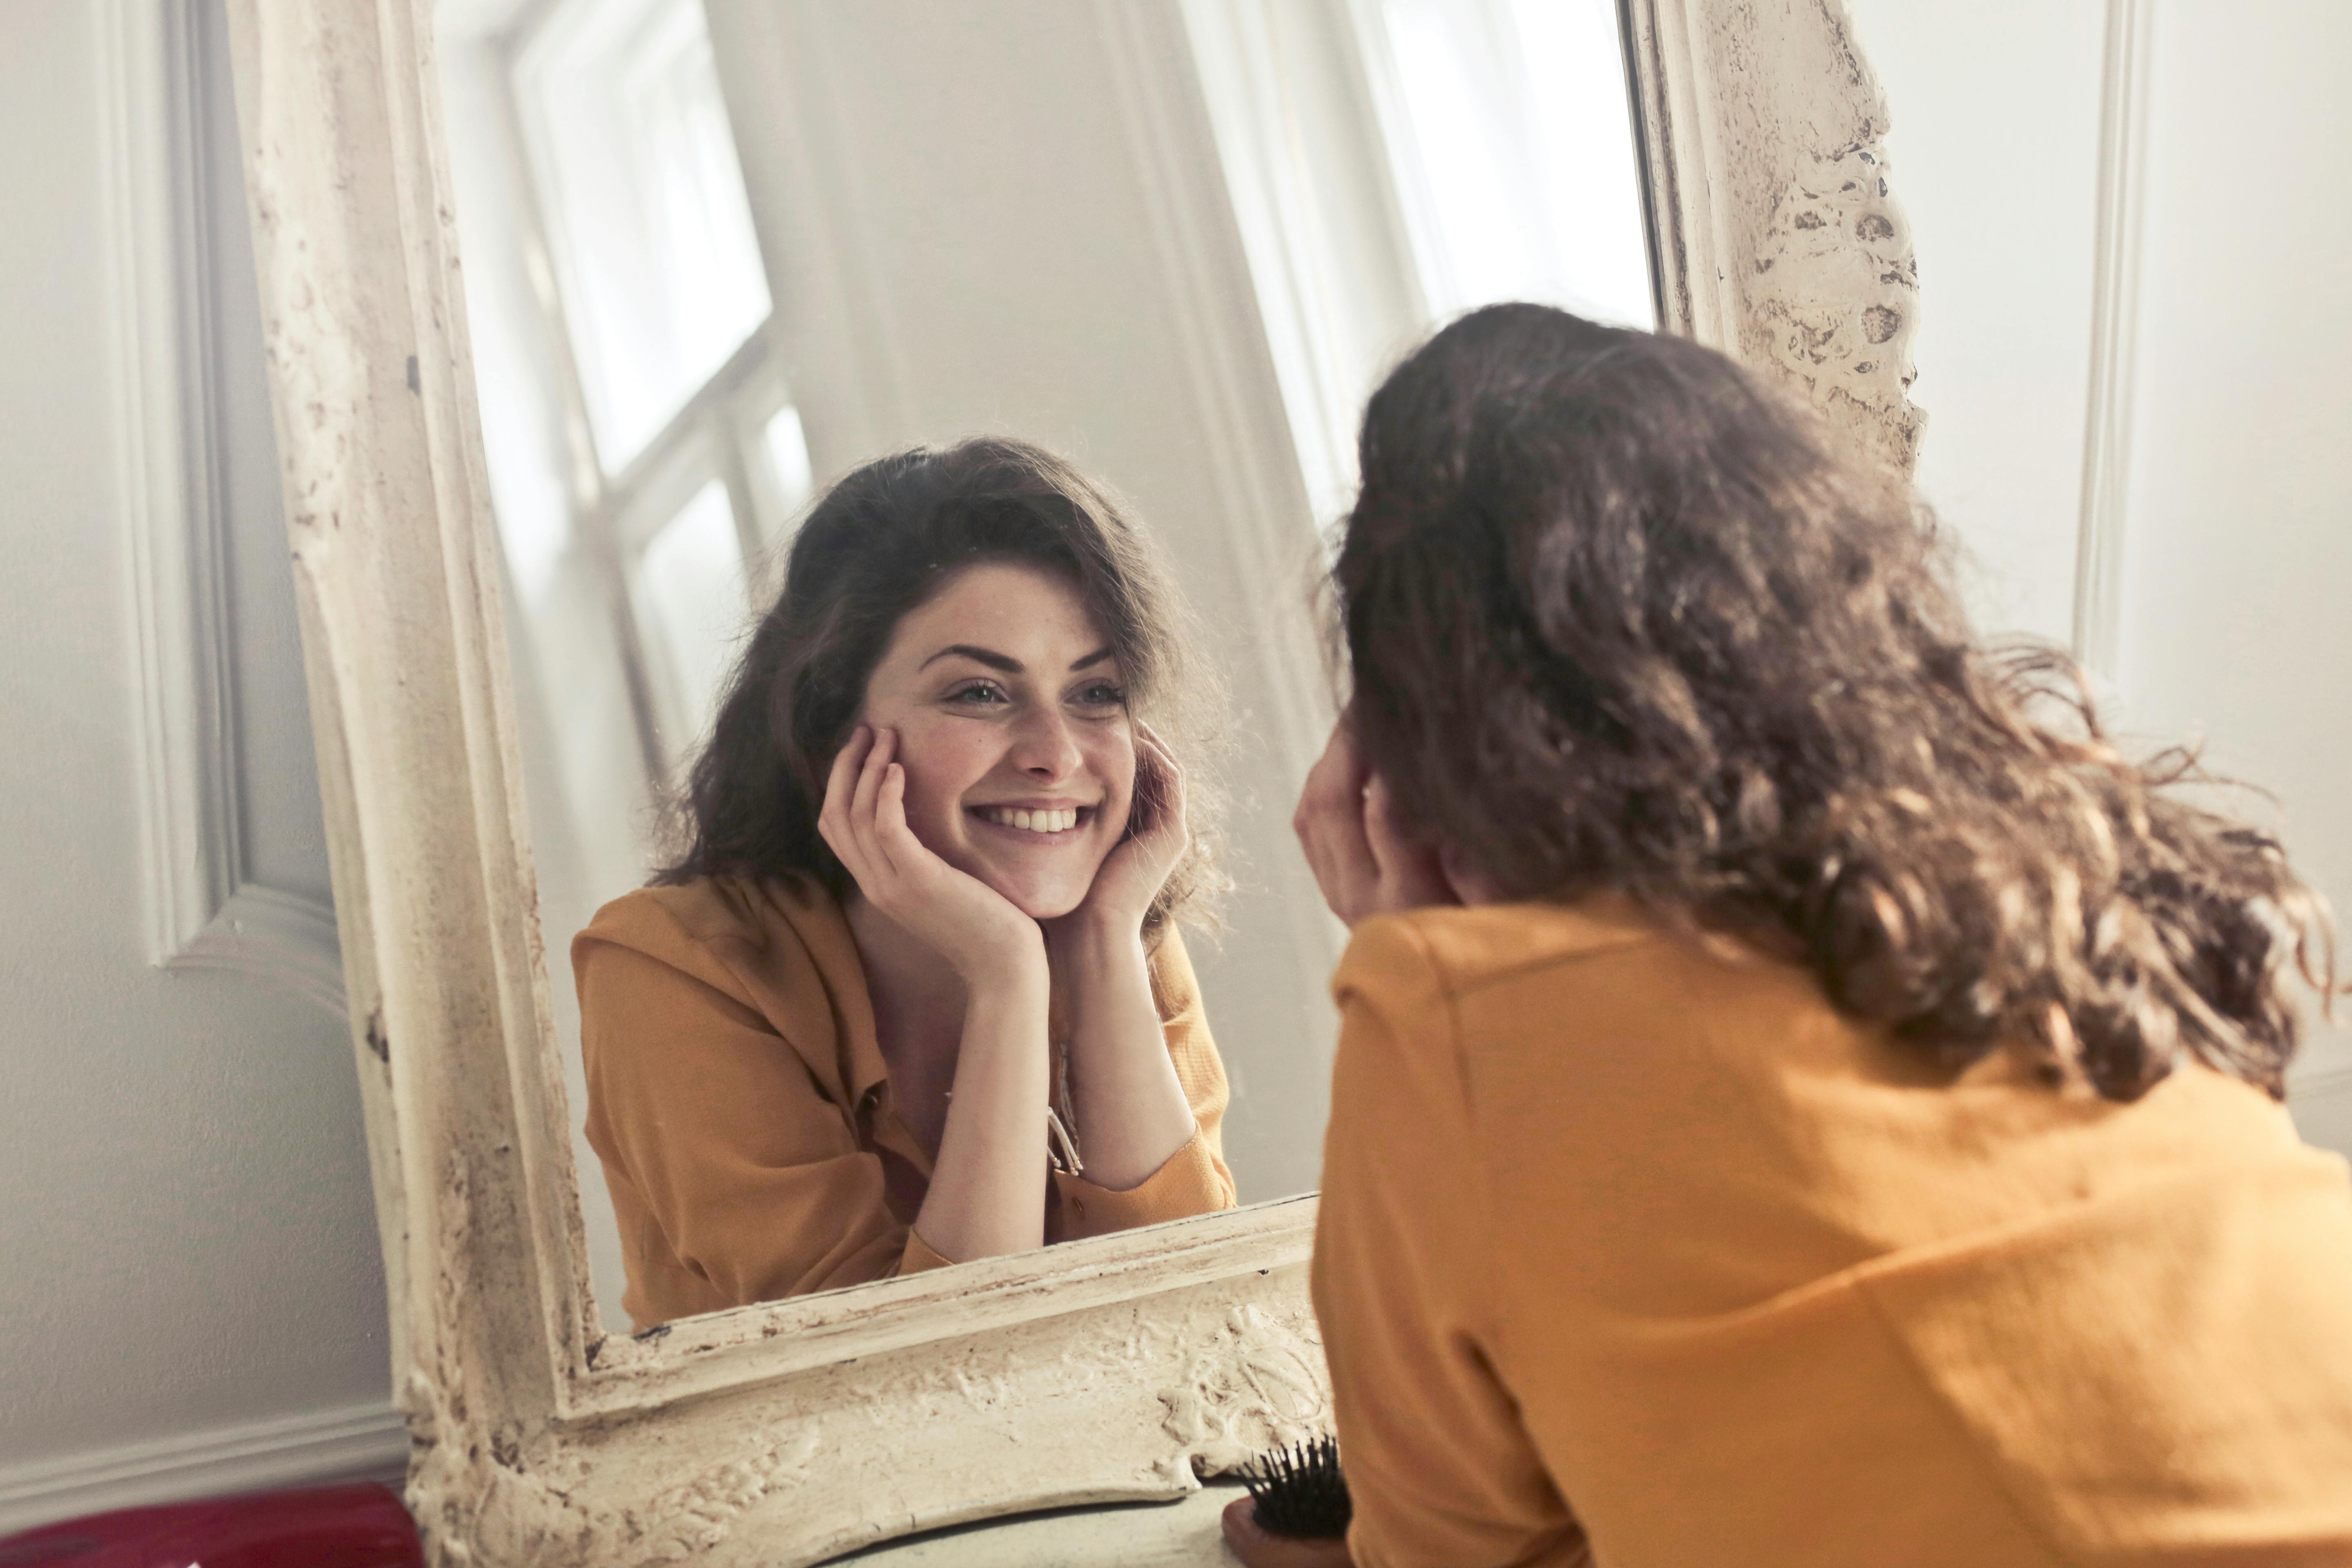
(1046, 747)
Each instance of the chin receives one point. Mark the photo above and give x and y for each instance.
(1045, 892)
(1044, 882)
(1045, 903)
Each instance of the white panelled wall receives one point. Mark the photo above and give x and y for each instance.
(191, 1277)
(2220, 491)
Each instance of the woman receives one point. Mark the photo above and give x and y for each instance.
(920, 946)
(1804, 1097)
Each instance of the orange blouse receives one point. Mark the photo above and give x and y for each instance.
(747, 1123)
(1632, 1247)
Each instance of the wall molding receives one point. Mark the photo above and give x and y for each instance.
(1243, 408)
(356, 1442)
(2114, 330)
(202, 910)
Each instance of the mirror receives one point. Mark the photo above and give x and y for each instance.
(720, 253)
(1174, 240)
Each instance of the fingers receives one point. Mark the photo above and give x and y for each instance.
(840, 788)
(1390, 847)
(1364, 856)
(892, 837)
(877, 815)
(1329, 823)
(1159, 803)
(852, 790)
(879, 763)
(869, 776)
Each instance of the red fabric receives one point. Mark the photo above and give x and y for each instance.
(320, 1527)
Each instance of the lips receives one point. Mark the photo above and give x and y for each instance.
(1045, 821)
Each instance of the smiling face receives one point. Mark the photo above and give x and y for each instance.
(1014, 730)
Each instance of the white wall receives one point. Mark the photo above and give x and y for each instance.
(2237, 559)
(1994, 157)
(188, 1267)
(2236, 538)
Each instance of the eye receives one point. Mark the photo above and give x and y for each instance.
(1101, 694)
(979, 694)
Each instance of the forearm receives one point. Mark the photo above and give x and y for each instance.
(1131, 1109)
(987, 1195)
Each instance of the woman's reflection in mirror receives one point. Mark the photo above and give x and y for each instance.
(912, 992)
(1804, 1097)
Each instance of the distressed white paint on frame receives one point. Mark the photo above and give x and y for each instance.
(1116, 1368)
(202, 910)
(1776, 234)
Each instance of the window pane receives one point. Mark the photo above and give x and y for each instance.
(644, 207)
(689, 593)
(1514, 144)
(1394, 162)
(788, 459)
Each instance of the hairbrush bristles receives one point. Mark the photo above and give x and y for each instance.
(1298, 1491)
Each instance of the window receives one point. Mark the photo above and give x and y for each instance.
(1510, 132)
(690, 593)
(1394, 162)
(645, 455)
(647, 219)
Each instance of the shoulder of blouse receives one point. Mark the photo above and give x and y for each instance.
(1175, 990)
(1451, 950)
(780, 947)
(708, 915)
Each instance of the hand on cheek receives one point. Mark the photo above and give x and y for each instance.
(1363, 857)
(974, 928)
(1155, 839)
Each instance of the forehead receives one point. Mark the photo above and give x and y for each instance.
(1027, 612)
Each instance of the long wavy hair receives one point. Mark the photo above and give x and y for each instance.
(1620, 617)
(879, 543)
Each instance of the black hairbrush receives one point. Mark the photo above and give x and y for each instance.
(1299, 1492)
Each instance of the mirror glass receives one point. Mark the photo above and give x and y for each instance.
(719, 254)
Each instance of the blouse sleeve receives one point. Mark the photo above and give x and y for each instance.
(1438, 1466)
(1195, 1180)
(744, 1172)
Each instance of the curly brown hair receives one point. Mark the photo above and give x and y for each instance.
(877, 546)
(1620, 619)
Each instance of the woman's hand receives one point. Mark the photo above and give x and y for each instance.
(1362, 857)
(1135, 870)
(1132, 1112)
(976, 929)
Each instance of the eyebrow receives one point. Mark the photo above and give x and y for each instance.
(995, 660)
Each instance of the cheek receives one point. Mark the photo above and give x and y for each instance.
(1112, 760)
(943, 760)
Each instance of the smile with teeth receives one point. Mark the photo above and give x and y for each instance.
(1029, 821)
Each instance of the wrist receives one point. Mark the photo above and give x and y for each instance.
(1087, 935)
(1013, 965)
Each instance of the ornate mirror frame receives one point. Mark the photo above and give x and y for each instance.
(1117, 1368)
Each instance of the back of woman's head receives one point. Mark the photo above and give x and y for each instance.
(877, 544)
(1618, 618)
